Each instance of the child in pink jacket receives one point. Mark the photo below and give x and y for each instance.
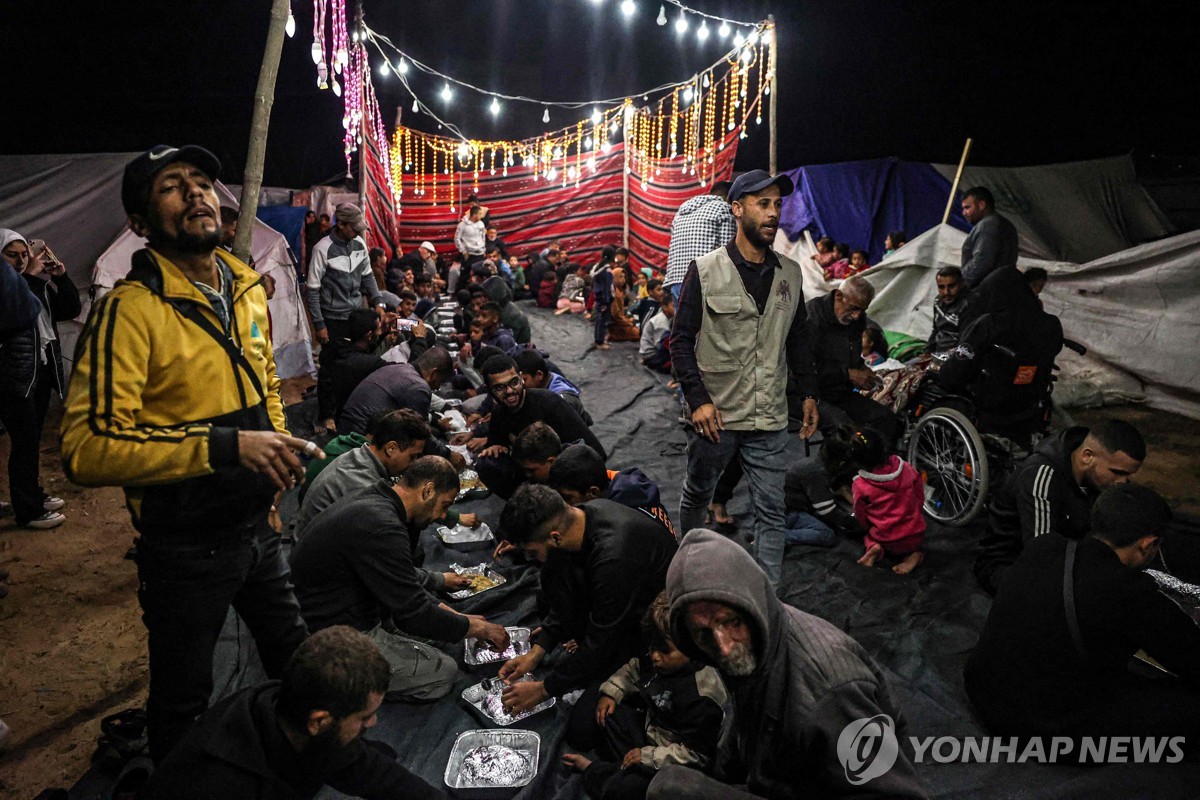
(888, 495)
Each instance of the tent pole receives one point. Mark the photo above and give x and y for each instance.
(260, 122)
(772, 162)
(625, 181)
(962, 162)
(362, 127)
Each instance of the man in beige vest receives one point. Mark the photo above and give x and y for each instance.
(739, 328)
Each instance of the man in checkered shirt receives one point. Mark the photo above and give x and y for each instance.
(701, 225)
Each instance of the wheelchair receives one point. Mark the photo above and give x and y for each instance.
(959, 450)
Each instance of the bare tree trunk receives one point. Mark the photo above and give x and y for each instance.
(264, 98)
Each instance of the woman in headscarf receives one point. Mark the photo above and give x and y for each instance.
(31, 366)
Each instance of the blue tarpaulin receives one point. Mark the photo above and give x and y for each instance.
(288, 220)
(860, 202)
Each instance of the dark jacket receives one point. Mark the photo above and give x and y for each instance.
(20, 350)
(391, 387)
(237, 749)
(346, 367)
(511, 317)
(598, 595)
(810, 682)
(1025, 676)
(947, 324)
(836, 348)
(1012, 382)
(541, 405)
(1040, 497)
(18, 303)
(357, 565)
(569, 392)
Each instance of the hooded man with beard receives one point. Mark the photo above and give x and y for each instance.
(739, 330)
(796, 682)
(286, 739)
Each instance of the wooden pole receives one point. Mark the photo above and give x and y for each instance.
(772, 161)
(264, 98)
(625, 178)
(962, 162)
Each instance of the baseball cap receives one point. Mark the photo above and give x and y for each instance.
(756, 180)
(140, 172)
(428, 246)
(352, 214)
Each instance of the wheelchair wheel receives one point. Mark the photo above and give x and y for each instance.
(946, 450)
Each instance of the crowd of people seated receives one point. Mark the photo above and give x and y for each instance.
(687, 676)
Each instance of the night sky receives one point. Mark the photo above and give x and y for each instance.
(1031, 82)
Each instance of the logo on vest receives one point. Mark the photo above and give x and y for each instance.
(784, 292)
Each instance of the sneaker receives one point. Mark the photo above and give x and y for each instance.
(53, 503)
(5, 508)
(51, 519)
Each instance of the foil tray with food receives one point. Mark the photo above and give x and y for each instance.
(478, 652)
(493, 759)
(470, 487)
(484, 698)
(460, 537)
(482, 577)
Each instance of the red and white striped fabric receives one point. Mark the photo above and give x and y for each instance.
(530, 214)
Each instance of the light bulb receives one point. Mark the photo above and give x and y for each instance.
(446, 93)
(628, 7)
(403, 66)
(596, 116)
(317, 52)
(558, 152)
(463, 150)
(752, 39)
(723, 31)
(494, 107)
(747, 56)
(681, 23)
(552, 174)
(702, 34)
(706, 80)
(337, 88)
(416, 108)
(546, 115)
(687, 94)
(383, 70)
(290, 27)
(354, 37)
(662, 15)
(587, 143)
(615, 126)
(738, 39)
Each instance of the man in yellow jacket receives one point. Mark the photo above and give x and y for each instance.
(175, 397)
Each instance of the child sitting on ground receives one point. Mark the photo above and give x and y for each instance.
(656, 710)
(874, 346)
(859, 262)
(840, 268)
(888, 495)
(825, 255)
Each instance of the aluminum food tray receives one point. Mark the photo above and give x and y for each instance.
(527, 743)
(479, 569)
(477, 694)
(462, 538)
(474, 656)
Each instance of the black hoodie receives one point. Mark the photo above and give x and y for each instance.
(811, 681)
(1040, 497)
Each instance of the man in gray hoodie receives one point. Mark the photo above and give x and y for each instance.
(806, 696)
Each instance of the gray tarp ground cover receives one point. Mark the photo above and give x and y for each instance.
(919, 627)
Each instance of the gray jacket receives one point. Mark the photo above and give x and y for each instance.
(810, 682)
(339, 274)
(991, 244)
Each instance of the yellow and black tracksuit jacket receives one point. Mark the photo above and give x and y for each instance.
(155, 402)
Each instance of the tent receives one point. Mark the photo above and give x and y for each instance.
(1075, 212)
(72, 201)
(1137, 311)
(269, 249)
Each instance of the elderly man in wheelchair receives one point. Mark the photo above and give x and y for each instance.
(987, 399)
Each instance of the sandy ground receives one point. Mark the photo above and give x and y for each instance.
(72, 648)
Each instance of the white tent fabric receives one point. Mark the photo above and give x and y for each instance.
(1078, 211)
(289, 324)
(1137, 311)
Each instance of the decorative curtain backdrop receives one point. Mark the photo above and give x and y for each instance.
(583, 216)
